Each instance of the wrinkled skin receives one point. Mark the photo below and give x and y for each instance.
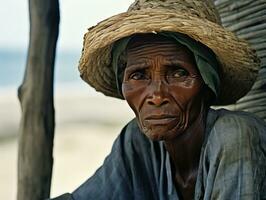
(167, 94)
(163, 87)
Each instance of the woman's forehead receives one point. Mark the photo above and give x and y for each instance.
(152, 44)
(147, 39)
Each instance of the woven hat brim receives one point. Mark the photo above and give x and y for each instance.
(239, 62)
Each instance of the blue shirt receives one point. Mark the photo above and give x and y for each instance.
(232, 164)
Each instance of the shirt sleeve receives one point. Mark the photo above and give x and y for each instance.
(111, 180)
(235, 163)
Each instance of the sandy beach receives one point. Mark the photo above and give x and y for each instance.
(87, 123)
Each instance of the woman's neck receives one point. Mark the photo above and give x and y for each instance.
(185, 150)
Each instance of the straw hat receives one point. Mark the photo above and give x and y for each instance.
(196, 18)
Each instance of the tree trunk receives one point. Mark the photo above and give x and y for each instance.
(247, 18)
(36, 97)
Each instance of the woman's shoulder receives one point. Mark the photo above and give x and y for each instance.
(234, 127)
(130, 140)
(238, 120)
(131, 133)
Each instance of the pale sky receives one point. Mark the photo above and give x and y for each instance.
(76, 17)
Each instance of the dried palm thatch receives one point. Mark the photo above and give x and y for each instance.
(247, 18)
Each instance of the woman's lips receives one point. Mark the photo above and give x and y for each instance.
(160, 119)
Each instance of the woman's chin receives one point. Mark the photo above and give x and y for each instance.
(159, 135)
(158, 132)
(154, 136)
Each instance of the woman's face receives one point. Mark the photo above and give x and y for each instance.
(163, 87)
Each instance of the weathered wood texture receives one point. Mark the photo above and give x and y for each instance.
(36, 97)
(247, 18)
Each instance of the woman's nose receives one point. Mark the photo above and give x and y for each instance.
(158, 96)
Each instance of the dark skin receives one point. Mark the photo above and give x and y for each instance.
(165, 90)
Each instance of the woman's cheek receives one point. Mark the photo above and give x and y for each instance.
(134, 95)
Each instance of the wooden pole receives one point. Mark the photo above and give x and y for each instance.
(36, 97)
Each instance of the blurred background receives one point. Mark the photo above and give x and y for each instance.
(86, 122)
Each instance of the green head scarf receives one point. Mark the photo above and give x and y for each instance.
(204, 57)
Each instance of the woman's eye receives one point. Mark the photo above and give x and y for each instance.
(179, 73)
(138, 75)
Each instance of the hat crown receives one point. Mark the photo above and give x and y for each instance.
(204, 9)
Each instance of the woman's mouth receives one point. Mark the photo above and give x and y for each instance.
(160, 119)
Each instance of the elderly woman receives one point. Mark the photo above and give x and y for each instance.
(171, 60)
